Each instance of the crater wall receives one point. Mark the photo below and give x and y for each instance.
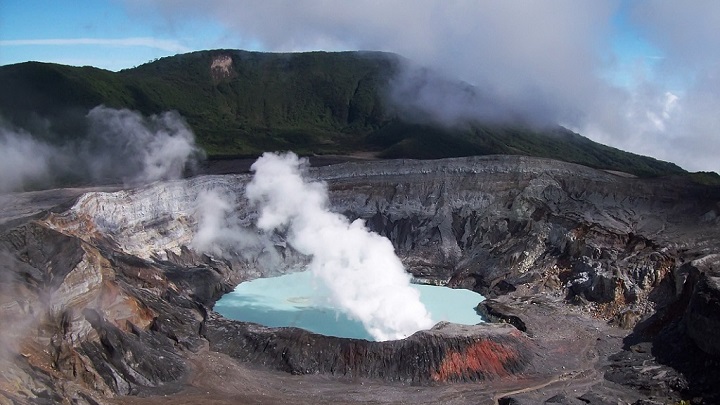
(115, 295)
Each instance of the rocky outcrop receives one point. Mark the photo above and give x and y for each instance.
(88, 321)
(221, 68)
(497, 312)
(702, 317)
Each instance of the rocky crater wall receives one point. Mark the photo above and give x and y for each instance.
(490, 224)
(115, 293)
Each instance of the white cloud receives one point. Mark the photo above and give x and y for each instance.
(539, 57)
(548, 60)
(155, 43)
(685, 31)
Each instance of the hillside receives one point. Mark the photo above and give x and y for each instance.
(242, 103)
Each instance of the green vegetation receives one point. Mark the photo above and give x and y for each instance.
(706, 178)
(311, 103)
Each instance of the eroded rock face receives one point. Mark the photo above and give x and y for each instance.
(702, 317)
(446, 353)
(87, 321)
(110, 292)
(221, 68)
(494, 224)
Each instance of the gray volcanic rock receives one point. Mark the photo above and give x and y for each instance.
(496, 224)
(88, 320)
(110, 297)
(497, 312)
(702, 317)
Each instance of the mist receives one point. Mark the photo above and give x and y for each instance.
(604, 69)
(119, 146)
(124, 144)
(424, 95)
(359, 268)
(220, 232)
(24, 161)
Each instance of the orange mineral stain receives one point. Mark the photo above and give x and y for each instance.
(484, 357)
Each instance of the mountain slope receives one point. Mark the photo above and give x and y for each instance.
(242, 103)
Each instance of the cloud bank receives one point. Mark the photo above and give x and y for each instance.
(119, 146)
(364, 277)
(546, 61)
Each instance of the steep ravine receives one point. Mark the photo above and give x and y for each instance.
(109, 297)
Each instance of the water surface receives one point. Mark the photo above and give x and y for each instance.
(296, 299)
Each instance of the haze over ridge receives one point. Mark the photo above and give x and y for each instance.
(640, 76)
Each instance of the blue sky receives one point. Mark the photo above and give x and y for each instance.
(643, 76)
(100, 33)
(635, 54)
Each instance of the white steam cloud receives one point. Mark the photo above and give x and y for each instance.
(217, 230)
(23, 160)
(221, 233)
(364, 277)
(120, 145)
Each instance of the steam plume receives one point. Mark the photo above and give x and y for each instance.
(359, 268)
(120, 145)
(223, 234)
(214, 229)
(23, 160)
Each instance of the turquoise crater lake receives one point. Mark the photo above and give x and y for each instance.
(298, 300)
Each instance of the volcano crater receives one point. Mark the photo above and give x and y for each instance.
(587, 274)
